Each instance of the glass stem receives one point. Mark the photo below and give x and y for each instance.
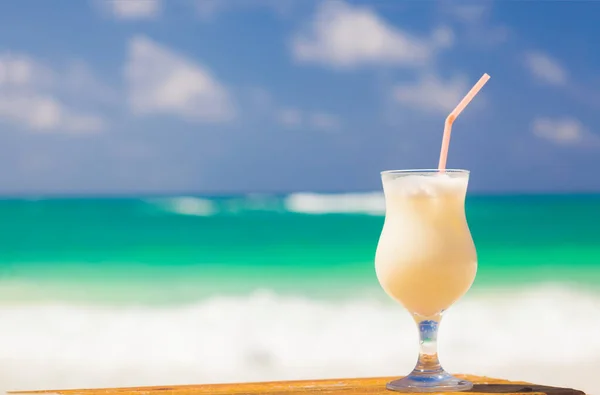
(428, 363)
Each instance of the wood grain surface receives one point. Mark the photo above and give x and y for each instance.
(354, 386)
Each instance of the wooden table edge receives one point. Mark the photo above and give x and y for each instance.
(290, 386)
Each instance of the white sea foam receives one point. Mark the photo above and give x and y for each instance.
(186, 205)
(359, 203)
(545, 335)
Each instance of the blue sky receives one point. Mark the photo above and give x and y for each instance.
(225, 96)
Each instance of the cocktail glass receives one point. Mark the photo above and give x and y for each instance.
(426, 260)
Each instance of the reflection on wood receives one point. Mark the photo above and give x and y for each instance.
(483, 385)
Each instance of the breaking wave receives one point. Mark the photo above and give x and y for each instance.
(546, 334)
(372, 203)
(187, 205)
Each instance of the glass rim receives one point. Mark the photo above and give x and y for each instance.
(425, 171)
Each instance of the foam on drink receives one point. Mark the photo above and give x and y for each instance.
(432, 185)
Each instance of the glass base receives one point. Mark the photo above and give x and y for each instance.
(429, 382)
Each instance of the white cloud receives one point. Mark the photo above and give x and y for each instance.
(45, 114)
(255, 102)
(324, 121)
(442, 37)
(291, 117)
(208, 9)
(21, 70)
(475, 26)
(342, 35)
(469, 13)
(432, 94)
(133, 9)
(563, 131)
(82, 83)
(29, 96)
(162, 81)
(317, 120)
(545, 69)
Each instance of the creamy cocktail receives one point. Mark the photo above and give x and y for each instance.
(425, 258)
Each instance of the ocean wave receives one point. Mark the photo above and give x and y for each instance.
(547, 335)
(186, 205)
(372, 203)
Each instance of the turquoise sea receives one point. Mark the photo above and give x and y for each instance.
(156, 290)
(179, 249)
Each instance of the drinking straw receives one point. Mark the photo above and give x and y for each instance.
(452, 117)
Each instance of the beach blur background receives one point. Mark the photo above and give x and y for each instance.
(191, 193)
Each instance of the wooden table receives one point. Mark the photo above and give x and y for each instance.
(483, 385)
